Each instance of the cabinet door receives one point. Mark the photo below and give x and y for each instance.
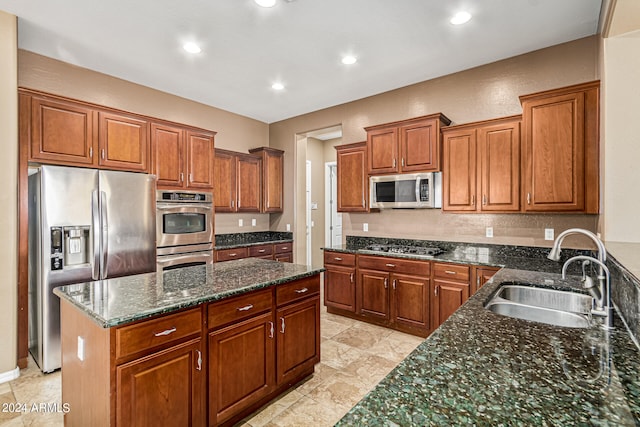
(483, 274)
(224, 184)
(448, 297)
(298, 344)
(167, 388)
(554, 153)
(419, 147)
(340, 288)
(248, 183)
(199, 160)
(353, 183)
(272, 178)
(373, 293)
(499, 167)
(123, 142)
(168, 148)
(241, 366)
(459, 171)
(284, 257)
(61, 133)
(382, 145)
(410, 301)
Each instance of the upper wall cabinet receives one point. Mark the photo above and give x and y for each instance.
(353, 183)
(406, 146)
(183, 157)
(560, 150)
(481, 166)
(272, 178)
(123, 142)
(237, 184)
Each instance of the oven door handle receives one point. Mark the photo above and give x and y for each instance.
(194, 207)
(169, 260)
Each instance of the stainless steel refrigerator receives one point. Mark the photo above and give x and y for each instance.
(84, 225)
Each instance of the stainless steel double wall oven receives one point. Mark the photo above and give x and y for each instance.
(184, 228)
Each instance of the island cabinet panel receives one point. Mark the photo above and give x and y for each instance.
(163, 389)
(283, 252)
(239, 308)
(123, 142)
(560, 149)
(230, 254)
(352, 179)
(261, 251)
(241, 366)
(61, 132)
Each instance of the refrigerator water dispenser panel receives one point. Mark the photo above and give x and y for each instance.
(56, 248)
(76, 245)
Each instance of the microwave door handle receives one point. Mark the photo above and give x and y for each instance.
(95, 228)
(105, 234)
(418, 179)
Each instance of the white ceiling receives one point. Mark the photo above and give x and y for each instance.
(246, 48)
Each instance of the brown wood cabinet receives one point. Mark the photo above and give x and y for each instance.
(481, 166)
(560, 149)
(123, 142)
(482, 275)
(353, 182)
(394, 292)
(451, 289)
(408, 146)
(282, 252)
(272, 178)
(340, 281)
(238, 183)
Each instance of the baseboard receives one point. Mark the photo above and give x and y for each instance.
(9, 375)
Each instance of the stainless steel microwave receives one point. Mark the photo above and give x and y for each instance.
(406, 191)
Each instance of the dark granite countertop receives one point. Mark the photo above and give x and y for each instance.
(237, 240)
(481, 368)
(114, 302)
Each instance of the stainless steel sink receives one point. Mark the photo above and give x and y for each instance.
(550, 306)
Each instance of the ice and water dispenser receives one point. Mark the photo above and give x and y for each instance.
(69, 246)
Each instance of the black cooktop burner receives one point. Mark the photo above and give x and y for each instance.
(402, 249)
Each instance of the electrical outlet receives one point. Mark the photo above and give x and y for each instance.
(288, 227)
(253, 222)
(489, 232)
(365, 226)
(240, 223)
(80, 348)
(548, 234)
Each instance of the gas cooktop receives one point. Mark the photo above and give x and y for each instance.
(405, 249)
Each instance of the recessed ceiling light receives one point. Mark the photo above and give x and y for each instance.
(277, 86)
(266, 3)
(349, 59)
(460, 18)
(192, 47)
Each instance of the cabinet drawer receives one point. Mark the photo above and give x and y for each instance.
(396, 265)
(229, 254)
(239, 308)
(149, 334)
(451, 272)
(299, 289)
(339, 258)
(260, 251)
(282, 247)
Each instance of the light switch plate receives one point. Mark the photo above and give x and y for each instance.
(365, 226)
(489, 232)
(548, 234)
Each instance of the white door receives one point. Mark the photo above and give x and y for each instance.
(308, 211)
(333, 217)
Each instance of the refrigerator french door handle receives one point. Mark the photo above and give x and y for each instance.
(105, 234)
(95, 227)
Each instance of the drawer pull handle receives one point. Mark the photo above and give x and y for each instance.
(351, 277)
(199, 367)
(282, 325)
(233, 254)
(284, 248)
(262, 251)
(391, 265)
(271, 329)
(245, 308)
(338, 258)
(167, 332)
(450, 272)
(301, 291)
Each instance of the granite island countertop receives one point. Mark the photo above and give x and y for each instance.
(481, 368)
(114, 302)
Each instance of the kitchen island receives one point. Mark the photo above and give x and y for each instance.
(481, 368)
(200, 345)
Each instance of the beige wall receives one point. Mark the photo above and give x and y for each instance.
(621, 105)
(8, 197)
(485, 92)
(234, 132)
(315, 154)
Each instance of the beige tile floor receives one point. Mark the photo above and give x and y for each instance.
(355, 356)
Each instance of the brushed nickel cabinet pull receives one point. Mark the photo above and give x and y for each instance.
(450, 272)
(394, 283)
(528, 198)
(233, 254)
(436, 290)
(484, 199)
(103, 154)
(167, 332)
(337, 258)
(403, 162)
(386, 283)
(271, 329)
(391, 265)
(473, 199)
(301, 291)
(394, 163)
(91, 152)
(351, 277)
(245, 308)
(199, 361)
(282, 325)
(181, 176)
(261, 251)
(284, 248)
(190, 177)
(233, 204)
